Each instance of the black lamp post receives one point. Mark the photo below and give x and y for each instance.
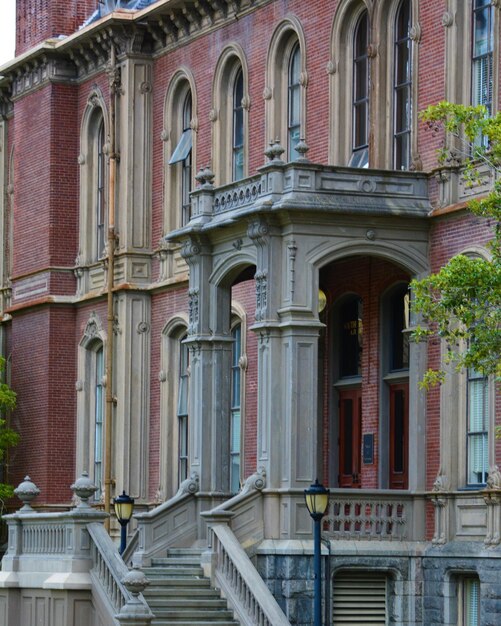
(317, 501)
(124, 505)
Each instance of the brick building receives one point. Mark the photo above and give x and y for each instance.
(272, 193)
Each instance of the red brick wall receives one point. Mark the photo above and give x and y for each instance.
(43, 375)
(37, 20)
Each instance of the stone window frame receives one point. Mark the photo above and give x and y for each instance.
(389, 377)
(284, 38)
(453, 592)
(172, 334)
(93, 339)
(239, 317)
(454, 416)
(340, 70)
(180, 84)
(94, 115)
(230, 62)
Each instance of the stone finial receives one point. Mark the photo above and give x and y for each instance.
(189, 485)
(494, 478)
(135, 611)
(274, 150)
(301, 148)
(135, 581)
(26, 492)
(83, 488)
(205, 177)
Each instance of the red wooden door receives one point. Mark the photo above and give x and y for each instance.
(399, 436)
(350, 427)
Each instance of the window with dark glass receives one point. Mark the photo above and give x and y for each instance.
(238, 127)
(402, 86)
(360, 104)
(182, 411)
(399, 323)
(98, 419)
(182, 154)
(100, 192)
(350, 343)
(294, 102)
(235, 421)
(482, 53)
(477, 428)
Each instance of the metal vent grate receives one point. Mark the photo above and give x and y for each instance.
(359, 599)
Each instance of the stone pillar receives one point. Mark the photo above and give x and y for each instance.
(134, 145)
(132, 384)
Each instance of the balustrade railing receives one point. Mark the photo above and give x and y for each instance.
(240, 582)
(368, 517)
(238, 195)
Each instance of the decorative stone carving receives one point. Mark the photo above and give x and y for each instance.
(441, 483)
(331, 67)
(83, 488)
(302, 148)
(415, 32)
(292, 248)
(93, 328)
(213, 115)
(243, 362)
(145, 87)
(256, 481)
(189, 485)
(164, 135)
(267, 93)
(238, 243)
(194, 124)
(81, 159)
(193, 311)
(274, 150)
(258, 229)
(303, 79)
(246, 103)
(162, 376)
(261, 281)
(79, 385)
(134, 611)
(494, 478)
(370, 234)
(367, 185)
(143, 327)
(372, 50)
(205, 177)
(447, 19)
(26, 491)
(191, 247)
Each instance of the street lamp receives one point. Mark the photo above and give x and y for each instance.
(124, 505)
(317, 501)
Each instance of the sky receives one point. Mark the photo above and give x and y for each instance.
(7, 30)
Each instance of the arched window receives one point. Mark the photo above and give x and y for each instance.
(238, 127)
(235, 418)
(360, 100)
(182, 155)
(402, 88)
(100, 192)
(482, 53)
(294, 102)
(285, 92)
(350, 337)
(98, 366)
(182, 410)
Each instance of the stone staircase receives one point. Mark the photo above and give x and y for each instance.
(179, 595)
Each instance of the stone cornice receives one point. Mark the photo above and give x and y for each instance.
(151, 33)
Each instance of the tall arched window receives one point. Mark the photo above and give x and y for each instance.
(182, 155)
(294, 102)
(182, 411)
(360, 100)
(99, 418)
(482, 53)
(238, 127)
(235, 418)
(402, 88)
(100, 192)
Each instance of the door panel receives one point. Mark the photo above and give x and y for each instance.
(399, 429)
(350, 427)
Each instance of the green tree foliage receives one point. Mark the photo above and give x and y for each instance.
(8, 437)
(462, 302)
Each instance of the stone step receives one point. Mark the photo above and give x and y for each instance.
(202, 593)
(174, 615)
(177, 571)
(162, 622)
(190, 602)
(176, 561)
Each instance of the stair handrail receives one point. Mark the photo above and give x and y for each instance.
(245, 590)
(120, 587)
(153, 532)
